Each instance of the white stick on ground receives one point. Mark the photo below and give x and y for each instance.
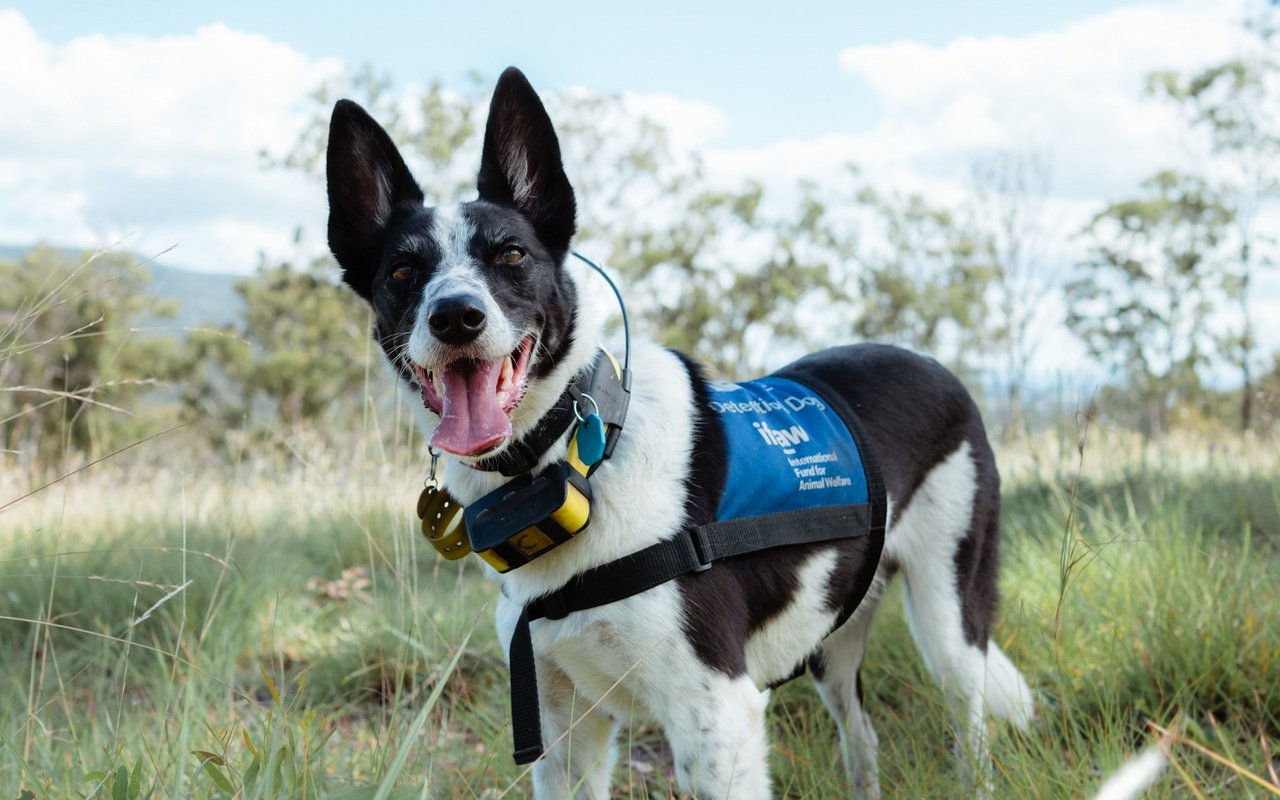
(1135, 777)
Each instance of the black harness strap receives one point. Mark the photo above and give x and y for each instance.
(692, 550)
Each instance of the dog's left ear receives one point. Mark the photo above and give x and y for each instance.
(520, 165)
(368, 180)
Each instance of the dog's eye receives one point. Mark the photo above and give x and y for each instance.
(402, 272)
(511, 255)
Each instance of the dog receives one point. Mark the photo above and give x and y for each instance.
(481, 318)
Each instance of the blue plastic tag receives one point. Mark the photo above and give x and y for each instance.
(591, 439)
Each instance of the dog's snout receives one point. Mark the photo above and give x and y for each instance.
(458, 319)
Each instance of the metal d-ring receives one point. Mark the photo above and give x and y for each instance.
(595, 409)
(431, 473)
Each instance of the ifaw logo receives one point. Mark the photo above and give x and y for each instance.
(786, 438)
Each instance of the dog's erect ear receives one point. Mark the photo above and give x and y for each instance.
(521, 167)
(367, 181)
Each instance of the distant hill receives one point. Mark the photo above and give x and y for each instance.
(204, 298)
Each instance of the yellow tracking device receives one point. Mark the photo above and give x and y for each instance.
(529, 516)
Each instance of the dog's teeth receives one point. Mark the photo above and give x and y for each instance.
(438, 383)
(504, 378)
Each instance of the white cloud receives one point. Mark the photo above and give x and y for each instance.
(156, 137)
(690, 125)
(1075, 93)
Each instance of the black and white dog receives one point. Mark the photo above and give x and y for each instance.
(478, 313)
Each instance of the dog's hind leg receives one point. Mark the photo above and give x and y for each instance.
(837, 672)
(580, 742)
(945, 544)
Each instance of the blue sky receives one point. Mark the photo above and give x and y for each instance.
(770, 67)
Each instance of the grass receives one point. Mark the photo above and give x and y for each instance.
(168, 633)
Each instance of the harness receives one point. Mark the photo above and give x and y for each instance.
(800, 471)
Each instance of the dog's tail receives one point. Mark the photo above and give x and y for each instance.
(1006, 691)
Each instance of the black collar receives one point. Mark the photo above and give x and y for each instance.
(523, 454)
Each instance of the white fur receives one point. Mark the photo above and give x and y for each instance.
(1135, 777)
(363, 149)
(788, 638)
(515, 164)
(1005, 690)
(456, 273)
(843, 652)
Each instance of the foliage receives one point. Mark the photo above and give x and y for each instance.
(925, 286)
(1233, 102)
(74, 354)
(1142, 298)
(1010, 191)
(300, 349)
(434, 128)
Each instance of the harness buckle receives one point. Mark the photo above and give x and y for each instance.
(701, 549)
(551, 606)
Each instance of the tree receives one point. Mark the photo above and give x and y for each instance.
(300, 349)
(738, 308)
(924, 278)
(1143, 295)
(436, 130)
(1010, 190)
(73, 361)
(1234, 102)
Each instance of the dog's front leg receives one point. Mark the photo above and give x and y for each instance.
(579, 741)
(718, 738)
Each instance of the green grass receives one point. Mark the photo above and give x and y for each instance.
(315, 627)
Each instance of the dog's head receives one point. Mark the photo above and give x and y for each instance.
(470, 301)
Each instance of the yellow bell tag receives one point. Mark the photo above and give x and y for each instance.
(442, 523)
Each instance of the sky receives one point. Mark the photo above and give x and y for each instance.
(143, 122)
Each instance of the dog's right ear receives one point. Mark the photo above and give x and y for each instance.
(368, 181)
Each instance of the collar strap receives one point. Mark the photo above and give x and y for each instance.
(607, 383)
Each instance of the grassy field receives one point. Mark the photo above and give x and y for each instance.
(168, 632)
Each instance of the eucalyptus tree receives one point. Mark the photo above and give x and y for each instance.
(1010, 191)
(1143, 295)
(1234, 103)
(75, 354)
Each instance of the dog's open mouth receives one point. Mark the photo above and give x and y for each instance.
(474, 399)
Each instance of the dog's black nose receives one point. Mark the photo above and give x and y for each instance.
(458, 319)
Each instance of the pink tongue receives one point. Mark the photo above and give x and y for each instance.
(472, 421)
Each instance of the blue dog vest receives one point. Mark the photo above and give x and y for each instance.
(789, 450)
